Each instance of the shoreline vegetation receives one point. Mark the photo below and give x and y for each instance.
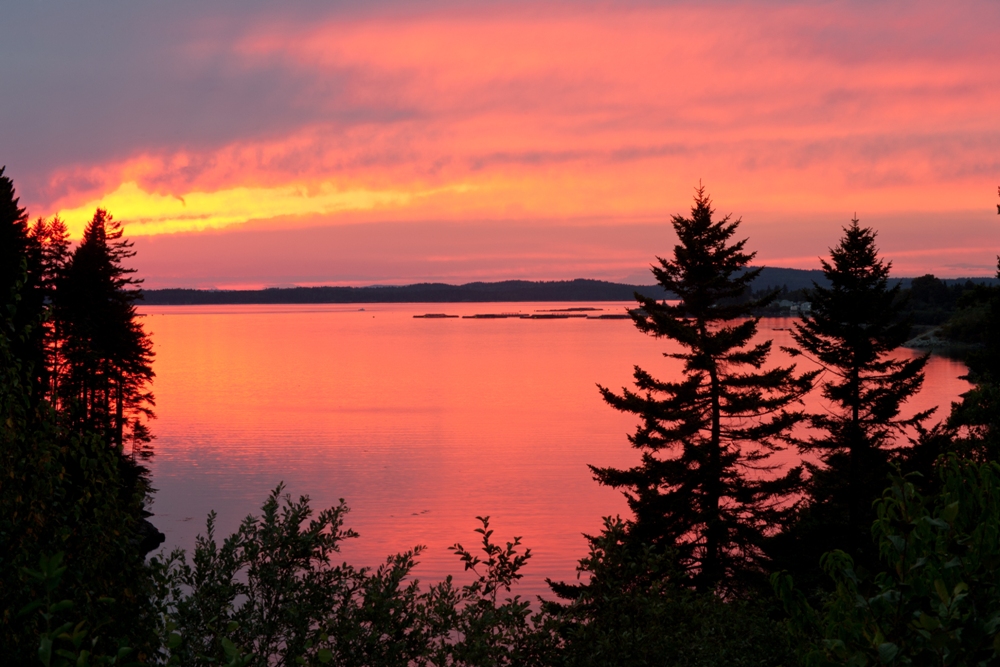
(881, 546)
(795, 281)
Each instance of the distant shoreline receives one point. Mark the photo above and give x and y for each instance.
(500, 292)
(581, 290)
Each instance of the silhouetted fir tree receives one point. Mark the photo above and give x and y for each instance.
(853, 329)
(51, 239)
(20, 279)
(13, 237)
(106, 354)
(706, 489)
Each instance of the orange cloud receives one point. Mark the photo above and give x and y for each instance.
(573, 113)
(150, 213)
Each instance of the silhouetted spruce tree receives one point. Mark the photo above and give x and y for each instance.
(106, 354)
(20, 285)
(14, 241)
(51, 241)
(706, 489)
(853, 329)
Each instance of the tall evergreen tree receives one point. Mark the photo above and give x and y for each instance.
(13, 237)
(706, 488)
(852, 331)
(20, 280)
(107, 355)
(51, 239)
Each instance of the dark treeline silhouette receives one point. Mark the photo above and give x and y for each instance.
(76, 371)
(882, 546)
(924, 302)
(75, 325)
(504, 291)
(767, 279)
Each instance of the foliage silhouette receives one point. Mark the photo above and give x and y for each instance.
(51, 240)
(706, 489)
(20, 281)
(271, 594)
(976, 418)
(935, 601)
(63, 492)
(852, 331)
(107, 355)
(67, 644)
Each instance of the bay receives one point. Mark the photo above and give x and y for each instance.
(420, 424)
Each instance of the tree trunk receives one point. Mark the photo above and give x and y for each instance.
(119, 412)
(711, 564)
(855, 443)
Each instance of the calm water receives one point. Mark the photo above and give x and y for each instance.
(419, 424)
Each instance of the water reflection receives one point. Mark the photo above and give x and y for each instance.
(419, 423)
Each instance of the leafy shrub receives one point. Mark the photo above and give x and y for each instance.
(270, 594)
(937, 602)
(62, 642)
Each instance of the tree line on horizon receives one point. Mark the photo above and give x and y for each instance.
(881, 547)
(931, 300)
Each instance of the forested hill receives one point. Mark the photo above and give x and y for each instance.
(507, 290)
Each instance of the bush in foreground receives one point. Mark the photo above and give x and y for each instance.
(937, 600)
(271, 594)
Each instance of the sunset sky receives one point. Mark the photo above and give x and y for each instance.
(247, 144)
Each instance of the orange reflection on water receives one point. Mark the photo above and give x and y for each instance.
(420, 424)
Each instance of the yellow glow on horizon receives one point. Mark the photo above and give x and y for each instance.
(147, 213)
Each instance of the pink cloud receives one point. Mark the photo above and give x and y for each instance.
(576, 112)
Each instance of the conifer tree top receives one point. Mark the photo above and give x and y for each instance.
(13, 234)
(9, 209)
(856, 261)
(857, 319)
(707, 270)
